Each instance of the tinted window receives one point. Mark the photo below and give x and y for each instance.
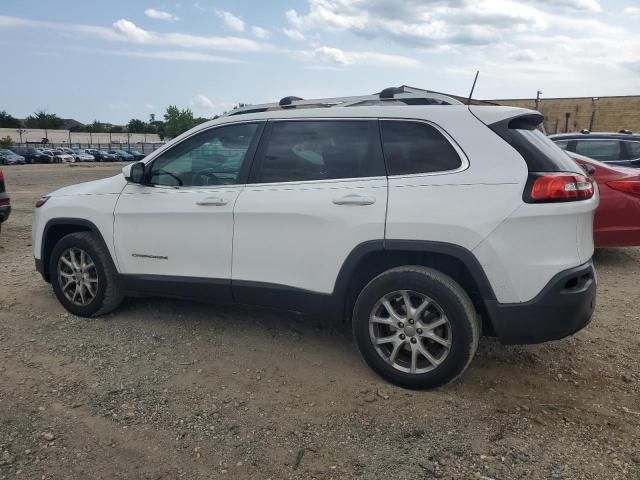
(416, 147)
(320, 150)
(633, 148)
(213, 157)
(603, 150)
(563, 144)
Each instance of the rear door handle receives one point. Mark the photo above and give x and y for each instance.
(212, 202)
(354, 200)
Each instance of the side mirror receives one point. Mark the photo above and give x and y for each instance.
(590, 169)
(136, 173)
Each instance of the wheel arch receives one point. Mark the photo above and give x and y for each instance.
(371, 258)
(57, 228)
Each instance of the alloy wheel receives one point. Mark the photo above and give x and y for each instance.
(410, 331)
(77, 276)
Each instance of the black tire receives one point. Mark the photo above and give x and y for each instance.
(109, 293)
(455, 304)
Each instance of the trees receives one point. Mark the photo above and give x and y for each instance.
(177, 121)
(43, 119)
(8, 121)
(136, 126)
(6, 142)
(98, 127)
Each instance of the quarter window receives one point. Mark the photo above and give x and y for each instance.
(416, 147)
(603, 150)
(320, 150)
(634, 150)
(213, 157)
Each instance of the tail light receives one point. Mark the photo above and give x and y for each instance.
(631, 186)
(551, 187)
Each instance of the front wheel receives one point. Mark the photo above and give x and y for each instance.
(416, 327)
(83, 275)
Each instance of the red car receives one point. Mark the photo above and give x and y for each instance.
(617, 221)
(5, 203)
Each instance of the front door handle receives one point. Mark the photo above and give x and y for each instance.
(354, 200)
(212, 202)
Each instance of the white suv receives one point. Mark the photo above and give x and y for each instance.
(424, 222)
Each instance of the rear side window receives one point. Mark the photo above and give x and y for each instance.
(538, 151)
(633, 148)
(416, 147)
(297, 151)
(602, 150)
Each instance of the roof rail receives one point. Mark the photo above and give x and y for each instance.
(388, 96)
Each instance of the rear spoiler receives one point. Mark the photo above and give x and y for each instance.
(493, 115)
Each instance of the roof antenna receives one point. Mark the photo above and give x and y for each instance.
(473, 87)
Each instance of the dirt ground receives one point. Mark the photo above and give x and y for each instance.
(164, 389)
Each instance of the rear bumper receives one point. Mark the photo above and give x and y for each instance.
(562, 308)
(5, 211)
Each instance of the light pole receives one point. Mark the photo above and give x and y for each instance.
(594, 102)
(19, 131)
(538, 93)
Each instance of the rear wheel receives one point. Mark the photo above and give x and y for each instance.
(416, 327)
(83, 275)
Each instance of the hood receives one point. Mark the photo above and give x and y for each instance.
(106, 186)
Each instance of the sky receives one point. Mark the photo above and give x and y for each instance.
(120, 59)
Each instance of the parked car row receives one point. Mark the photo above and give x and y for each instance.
(22, 155)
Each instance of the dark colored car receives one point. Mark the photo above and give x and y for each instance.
(5, 202)
(102, 156)
(620, 149)
(122, 155)
(32, 155)
(137, 156)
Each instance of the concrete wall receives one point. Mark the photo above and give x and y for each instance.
(611, 113)
(62, 136)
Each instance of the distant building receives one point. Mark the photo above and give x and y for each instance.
(602, 114)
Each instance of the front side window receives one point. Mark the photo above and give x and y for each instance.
(212, 157)
(603, 150)
(416, 147)
(319, 150)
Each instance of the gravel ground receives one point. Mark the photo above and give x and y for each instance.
(164, 389)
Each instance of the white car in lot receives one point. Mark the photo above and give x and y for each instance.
(424, 222)
(82, 156)
(61, 156)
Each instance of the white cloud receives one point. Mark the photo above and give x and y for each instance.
(203, 102)
(435, 23)
(131, 32)
(177, 55)
(126, 31)
(631, 12)
(293, 34)
(160, 15)
(197, 6)
(525, 55)
(260, 32)
(586, 5)
(336, 56)
(231, 21)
